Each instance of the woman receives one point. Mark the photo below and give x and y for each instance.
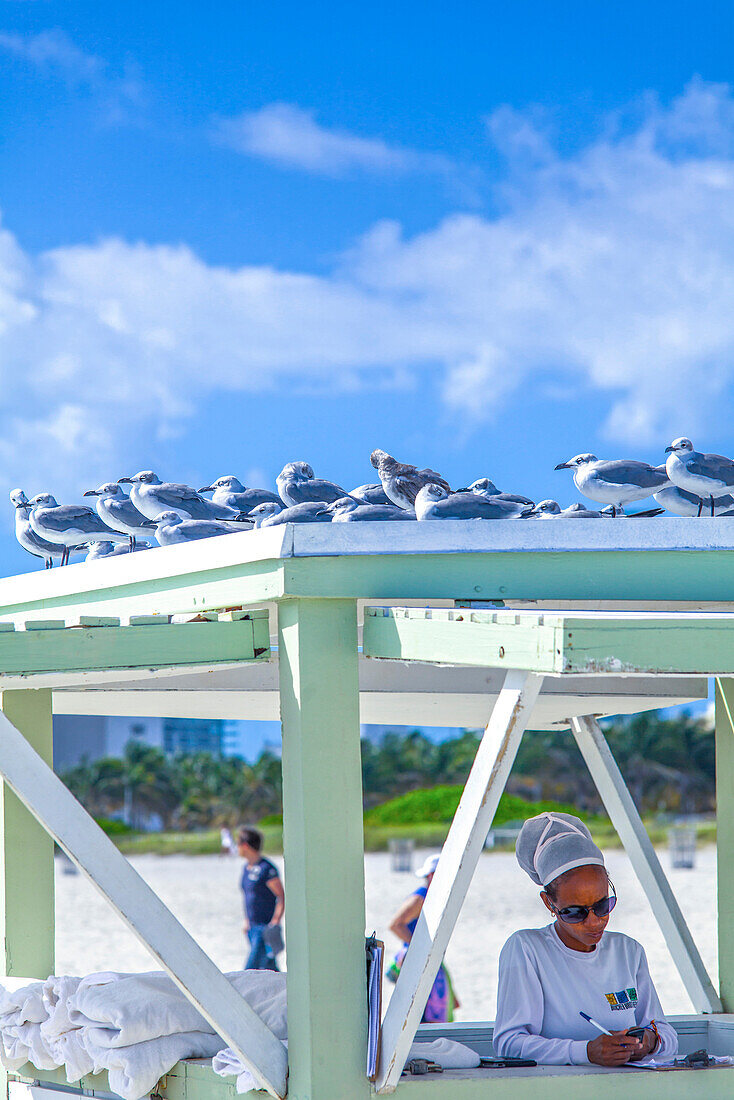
(441, 1000)
(549, 976)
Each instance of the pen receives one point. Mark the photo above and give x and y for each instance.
(603, 1030)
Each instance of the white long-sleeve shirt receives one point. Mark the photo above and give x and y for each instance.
(543, 985)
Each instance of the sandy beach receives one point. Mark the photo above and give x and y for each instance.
(203, 893)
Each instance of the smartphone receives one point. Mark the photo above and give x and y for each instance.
(637, 1032)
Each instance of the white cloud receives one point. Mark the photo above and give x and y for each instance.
(611, 271)
(53, 54)
(54, 51)
(287, 135)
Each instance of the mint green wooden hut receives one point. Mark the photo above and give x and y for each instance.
(510, 626)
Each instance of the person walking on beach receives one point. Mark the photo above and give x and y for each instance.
(264, 902)
(441, 1000)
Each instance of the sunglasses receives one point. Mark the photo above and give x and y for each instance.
(576, 914)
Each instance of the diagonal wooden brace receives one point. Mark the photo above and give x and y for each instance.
(464, 844)
(633, 834)
(201, 982)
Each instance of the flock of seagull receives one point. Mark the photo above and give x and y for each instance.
(688, 484)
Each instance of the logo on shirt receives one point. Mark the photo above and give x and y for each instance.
(622, 999)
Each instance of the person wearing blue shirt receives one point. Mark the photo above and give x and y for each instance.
(263, 898)
(441, 1000)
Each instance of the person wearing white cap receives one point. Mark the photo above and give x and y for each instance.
(570, 993)
(442, 1000)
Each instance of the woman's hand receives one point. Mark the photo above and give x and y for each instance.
(616, 1049)
(649, 1043)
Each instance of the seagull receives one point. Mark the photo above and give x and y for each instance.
(25, 534)
(151, 496)
(297, 485)
(434, 502)
(403, 482)
(487, 487)
(117, 510)
(270, 515)
(230, 492)
(708, 476)
(370, 494)
(683, 503)
(68, 524)
(97, 550)
(616, 482)
(170, 528)
(347, 510)
(549, 509)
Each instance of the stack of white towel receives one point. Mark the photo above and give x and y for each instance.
(137, 1026)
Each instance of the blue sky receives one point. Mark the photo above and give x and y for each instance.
(482, 237)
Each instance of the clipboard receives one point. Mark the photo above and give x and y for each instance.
(375, 957)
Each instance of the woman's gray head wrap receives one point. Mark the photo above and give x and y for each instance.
(552, 843)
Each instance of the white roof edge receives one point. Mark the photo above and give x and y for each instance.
(360, 539)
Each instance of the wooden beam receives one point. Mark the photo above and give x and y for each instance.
(631, 830)
(64, 819)
(56, 648)
(26, 853)
(458, 861)
(724, 704)
(592, 643)
(324, 850)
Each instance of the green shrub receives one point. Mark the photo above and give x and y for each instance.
(113, 827)
(438, 805)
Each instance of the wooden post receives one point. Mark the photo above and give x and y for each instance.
(26, 853)
(324, 849)
(725, 835)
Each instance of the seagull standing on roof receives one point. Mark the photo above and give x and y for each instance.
(151, 496)
(118, 511)
(434, 502)
(707, 475)
(170, 528)
(617, 481)
(347, 510)
(682, 503)
(486, 487)
(72, 525)
(25, 534)
(370, 494)
(271, 515)
(551, 509)
(99, 550)
(230, 492)
(403, 482)
(297, 485)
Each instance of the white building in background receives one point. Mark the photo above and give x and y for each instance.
(79, 737)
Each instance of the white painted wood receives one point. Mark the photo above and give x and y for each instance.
(488, 536)
(626, 820)
(445, 708)
(459, 857)
(20, 1090)
(169, 943)
(319, 540)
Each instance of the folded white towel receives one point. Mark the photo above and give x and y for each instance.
(135, 1070)
(135, 1026)
(228, 1064)
(134, 1008)
(21, 1013)
(447, 1053)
